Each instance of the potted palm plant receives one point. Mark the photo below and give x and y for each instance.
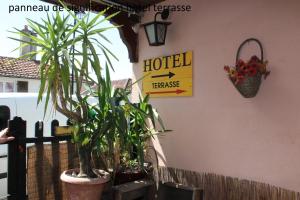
(93, 122)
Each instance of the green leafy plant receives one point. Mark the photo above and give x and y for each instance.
(143, 120)
(55, 42)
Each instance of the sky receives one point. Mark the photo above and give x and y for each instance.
(11, 18)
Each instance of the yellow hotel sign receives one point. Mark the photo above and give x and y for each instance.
(169, 75)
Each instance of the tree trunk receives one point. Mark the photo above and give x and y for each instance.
(86, 169)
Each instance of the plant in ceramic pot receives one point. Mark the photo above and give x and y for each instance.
(93, 122)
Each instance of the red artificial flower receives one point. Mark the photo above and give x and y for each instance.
(240, 63)
(240, 75)
(252, 71)
(227, 68)
(240, 78)
(244, 69)
(254, 59)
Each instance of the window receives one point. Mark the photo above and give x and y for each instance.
(7, 86)
(22, 86)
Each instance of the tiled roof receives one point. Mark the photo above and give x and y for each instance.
(121, 83)
(19, 68)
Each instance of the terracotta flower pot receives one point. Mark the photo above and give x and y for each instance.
(83, 188)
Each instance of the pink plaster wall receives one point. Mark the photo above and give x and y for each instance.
(217, 130)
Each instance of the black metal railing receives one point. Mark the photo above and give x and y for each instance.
(16, 157)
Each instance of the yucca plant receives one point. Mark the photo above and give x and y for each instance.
(55, 41)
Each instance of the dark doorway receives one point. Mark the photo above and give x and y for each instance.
(4, 116)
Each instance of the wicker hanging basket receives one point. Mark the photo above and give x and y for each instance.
(250, 85)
